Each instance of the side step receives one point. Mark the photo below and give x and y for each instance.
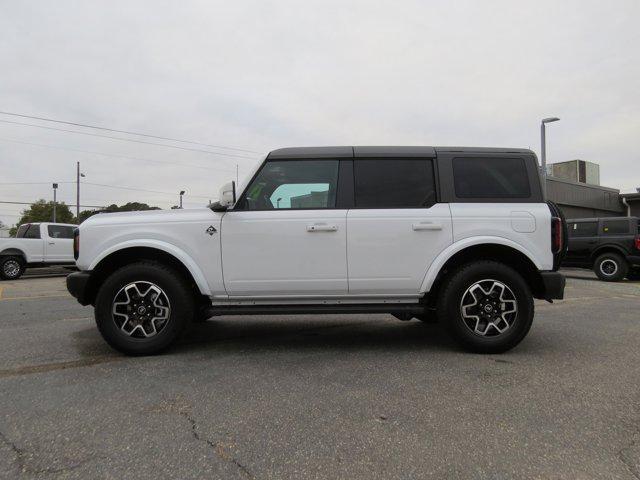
(405, 310)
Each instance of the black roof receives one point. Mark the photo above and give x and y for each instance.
(381, 151)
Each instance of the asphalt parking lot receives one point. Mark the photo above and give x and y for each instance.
(363, 396)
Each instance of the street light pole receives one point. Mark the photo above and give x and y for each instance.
(543, 153)
(78, 175)
(55, 189)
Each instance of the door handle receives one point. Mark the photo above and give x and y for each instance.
(322, 227)
(427, 226)
(52, 243)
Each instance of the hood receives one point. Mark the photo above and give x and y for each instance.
(149, 216)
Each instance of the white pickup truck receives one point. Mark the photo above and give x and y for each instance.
(461, 236)
(36, 245)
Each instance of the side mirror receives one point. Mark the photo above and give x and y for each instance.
(227, 197)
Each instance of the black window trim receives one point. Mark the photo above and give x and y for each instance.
(436, 182)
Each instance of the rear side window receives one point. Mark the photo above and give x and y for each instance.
(613, 227)
(583, 229)
(33, 231)
(60, 231)
(490, 178)
(394, 183)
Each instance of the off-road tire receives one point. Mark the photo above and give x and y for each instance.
(449, 306)
(173, 285)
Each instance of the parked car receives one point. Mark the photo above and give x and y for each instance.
(36, 245)
(610, 246)
(458, 235)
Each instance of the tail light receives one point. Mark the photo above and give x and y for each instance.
(637, 242)
(556, 235)
(76, 243)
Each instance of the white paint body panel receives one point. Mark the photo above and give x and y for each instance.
(498, 223)
(312, 256)
(47, 250)
(181, 233)
(390, 250)
(284, 252)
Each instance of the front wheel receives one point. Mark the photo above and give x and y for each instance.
(486, 306)
(142, 308)
(11, 268)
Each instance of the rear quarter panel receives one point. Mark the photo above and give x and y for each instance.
(525, 224)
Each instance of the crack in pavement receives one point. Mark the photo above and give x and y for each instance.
(182, 408)
(21, 461)
(48, 367)
(218, 447)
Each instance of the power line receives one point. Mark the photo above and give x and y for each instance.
(141, 189)
(43, 145)
(31, 183)
(67, 204)
(125, 131)
(127, 140)
(107, 186)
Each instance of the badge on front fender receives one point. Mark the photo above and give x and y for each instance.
(211, 230)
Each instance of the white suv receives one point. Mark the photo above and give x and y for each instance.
(461, 236)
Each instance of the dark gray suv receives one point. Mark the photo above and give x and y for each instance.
(610, 246)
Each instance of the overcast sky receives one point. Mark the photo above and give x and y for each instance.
(259, 75)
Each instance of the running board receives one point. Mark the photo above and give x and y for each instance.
(328, 309)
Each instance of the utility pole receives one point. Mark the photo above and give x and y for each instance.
(78, 192)
(55, 189)
(543, 153)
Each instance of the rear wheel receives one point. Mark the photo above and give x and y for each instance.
(11, 268)
(486, 306)
(142, 308)
(610, 267)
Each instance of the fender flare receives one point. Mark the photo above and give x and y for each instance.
(166, 247)
(608, 247)
(460, 245)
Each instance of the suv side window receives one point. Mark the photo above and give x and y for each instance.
(60, 231)
(394, 183)
(583, 229)
(293, 184)
(613, 227)
(486, 177)
(33, 231)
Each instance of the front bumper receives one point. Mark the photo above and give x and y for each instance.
(77, 285)
(552, 285)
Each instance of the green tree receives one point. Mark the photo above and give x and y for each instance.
(127, 207)
(42, 211)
